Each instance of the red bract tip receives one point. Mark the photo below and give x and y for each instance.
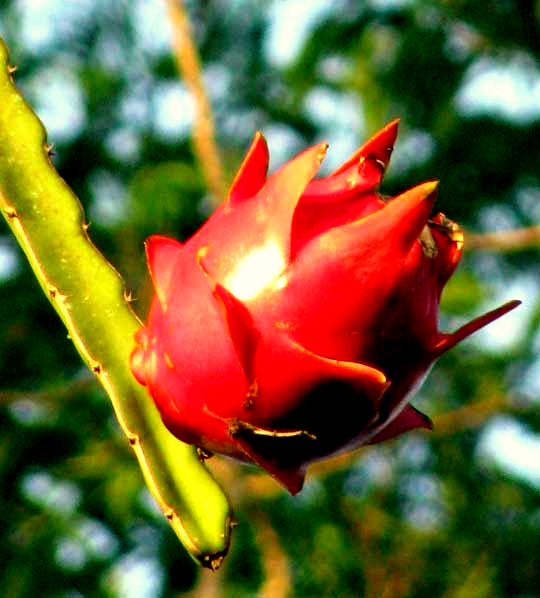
(299, 321)
(450, 340)
(251, 175)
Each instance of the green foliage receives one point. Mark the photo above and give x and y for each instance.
(432, 514)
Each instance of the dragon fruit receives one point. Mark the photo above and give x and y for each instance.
(300, 319)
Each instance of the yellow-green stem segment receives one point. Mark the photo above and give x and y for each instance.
(88, 294)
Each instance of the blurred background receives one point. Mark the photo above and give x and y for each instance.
(454, 513)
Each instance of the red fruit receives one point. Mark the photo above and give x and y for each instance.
(300, 319)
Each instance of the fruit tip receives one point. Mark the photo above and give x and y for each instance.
(430, 187)
(393, 125)
(450, 340)
(320, 153)
(259, 135)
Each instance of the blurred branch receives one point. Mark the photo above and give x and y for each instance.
(396, 574)
(189, 67)
(470, 416)
(505, 241)
(208, 586)
(247, 489)
(277, 582)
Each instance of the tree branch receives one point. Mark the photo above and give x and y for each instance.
(187, 60)
(505, 241)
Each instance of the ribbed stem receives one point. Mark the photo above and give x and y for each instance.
(88, 294)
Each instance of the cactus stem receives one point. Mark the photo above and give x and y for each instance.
(87, 294)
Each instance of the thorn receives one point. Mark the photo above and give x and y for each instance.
(11, 212)
(212, 562)
(96, 367)
(11, 69)
(203, 454)
(55, 294)
(128, 296)
(49, 149)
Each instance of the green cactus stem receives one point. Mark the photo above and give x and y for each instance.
(88, 294)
